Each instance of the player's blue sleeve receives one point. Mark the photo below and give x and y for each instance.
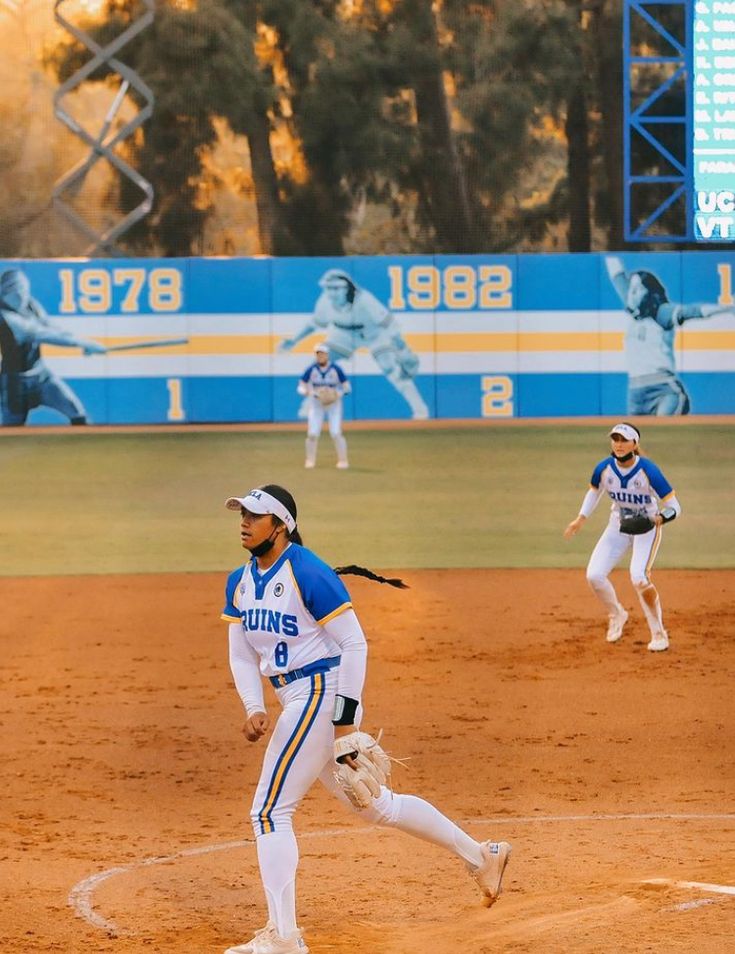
(323, 593)
(305, 376)
(231, 613)
(340, 374)
(597, 472)
(657, 480)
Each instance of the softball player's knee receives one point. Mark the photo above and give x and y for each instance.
(385, 809)
(266, 820)
(640, 583)
(596, 579)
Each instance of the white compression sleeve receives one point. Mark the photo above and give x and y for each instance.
(346, 631)
(244, 664)
(591, 499)
(673, 503)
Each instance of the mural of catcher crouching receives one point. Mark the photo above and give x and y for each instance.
(354, 318)
(26, 381)
(653, 384)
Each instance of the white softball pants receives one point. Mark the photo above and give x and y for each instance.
(610, 548)
(299, 752)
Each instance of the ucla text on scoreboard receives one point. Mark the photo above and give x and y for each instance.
(477, 336)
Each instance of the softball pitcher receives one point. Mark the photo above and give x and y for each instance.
(291, 622)
(323, 384)
(635, 485)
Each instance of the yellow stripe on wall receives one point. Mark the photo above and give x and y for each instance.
(423, 343)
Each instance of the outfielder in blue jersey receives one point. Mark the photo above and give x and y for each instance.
(322, 385)
(635, 486)
(291, 621)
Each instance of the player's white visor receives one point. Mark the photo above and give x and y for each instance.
(323, 348)
(626, 431)
(258, 501)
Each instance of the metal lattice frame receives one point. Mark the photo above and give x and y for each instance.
(102, 146)
(644, 121)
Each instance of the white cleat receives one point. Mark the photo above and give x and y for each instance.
(615, 625)
(249, 946)
(489, 875)
(310, 464)
(269, 941)
(659, 642)
(342, 465)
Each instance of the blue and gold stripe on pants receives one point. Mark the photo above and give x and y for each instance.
(290, 751)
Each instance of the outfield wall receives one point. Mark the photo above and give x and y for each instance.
(494, 336)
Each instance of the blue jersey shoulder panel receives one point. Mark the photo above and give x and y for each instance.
(305, 376)
(232, 580)
(597, 472)
(657, 480)
(340, 373)
(321, 589)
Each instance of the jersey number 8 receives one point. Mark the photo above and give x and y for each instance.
(281, 654)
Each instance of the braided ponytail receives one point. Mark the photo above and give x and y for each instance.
(363, 571)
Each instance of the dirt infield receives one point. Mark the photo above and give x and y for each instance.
(127, 780)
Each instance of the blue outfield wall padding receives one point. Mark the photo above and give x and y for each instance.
(451, 336)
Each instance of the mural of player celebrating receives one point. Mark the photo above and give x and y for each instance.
(653, 384)
(354, 318)
(26, 381)
(323, 384)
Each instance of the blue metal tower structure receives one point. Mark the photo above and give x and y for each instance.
(657, 89)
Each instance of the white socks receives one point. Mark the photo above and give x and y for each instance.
(651, 605)
(278, 857)
(419, 818)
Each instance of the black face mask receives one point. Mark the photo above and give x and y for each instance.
(266, 546)
(624, 459)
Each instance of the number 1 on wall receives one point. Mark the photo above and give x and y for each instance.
(175, 405)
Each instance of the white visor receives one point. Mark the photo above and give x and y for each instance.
(626, 431)
(258, 501)
(323, 348)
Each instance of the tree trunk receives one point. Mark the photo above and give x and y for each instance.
(272, 231)
(608, 26)
(578, 171)
(441, 166)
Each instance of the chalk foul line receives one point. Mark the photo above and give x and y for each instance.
(81, 895)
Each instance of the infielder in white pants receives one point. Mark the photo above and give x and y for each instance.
(323, 384)
(635, 486)
(291, 621)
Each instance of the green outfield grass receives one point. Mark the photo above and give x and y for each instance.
(477, 497)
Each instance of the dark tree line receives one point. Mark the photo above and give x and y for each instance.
(409, 104)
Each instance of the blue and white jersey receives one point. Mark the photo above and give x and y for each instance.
(330, 376)
(283, 610)
(632, 490)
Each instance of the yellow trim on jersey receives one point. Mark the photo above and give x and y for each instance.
(340, 609)
(654, 550)
(669, 496)
(231, 619)
(284, 759)
(296, 585)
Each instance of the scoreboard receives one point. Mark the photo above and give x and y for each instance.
(713, 120)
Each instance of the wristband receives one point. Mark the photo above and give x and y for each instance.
(667, 514)
(345, 710)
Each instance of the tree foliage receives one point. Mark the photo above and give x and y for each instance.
(443, 112)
